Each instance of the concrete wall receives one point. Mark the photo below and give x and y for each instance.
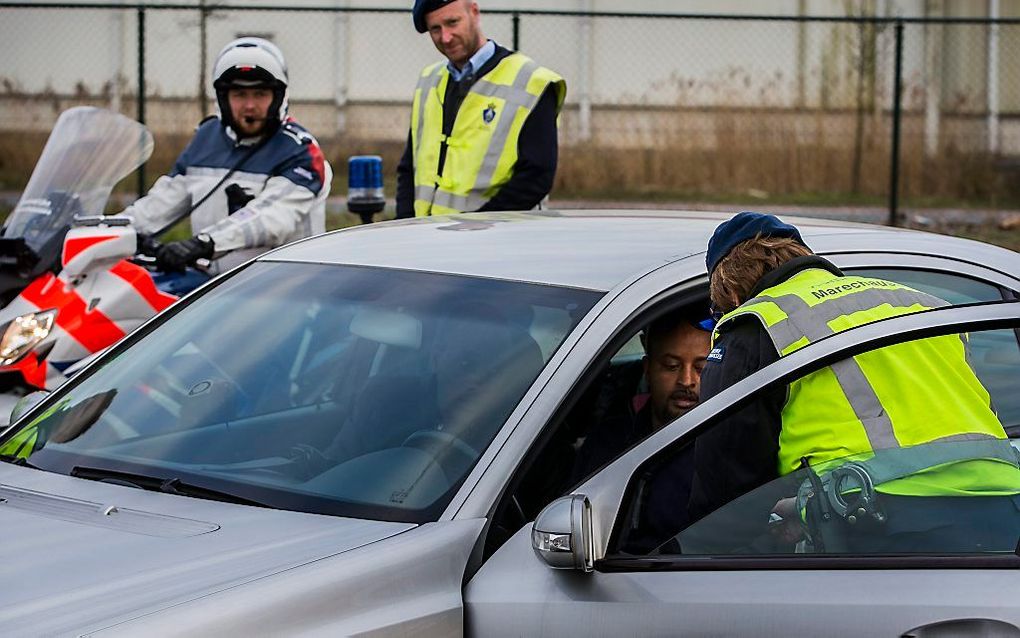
(629, 78)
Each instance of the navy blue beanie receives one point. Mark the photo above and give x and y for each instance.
(423, 7)
(740, 228)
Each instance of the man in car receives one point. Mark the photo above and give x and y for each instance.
(251, 179)
(884, 407)
(675, 349)
(676, 346)
(483, 122)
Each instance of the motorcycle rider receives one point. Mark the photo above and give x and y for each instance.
(251, 178)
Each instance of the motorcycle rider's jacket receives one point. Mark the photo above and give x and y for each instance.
(287, 177)
(909, 394)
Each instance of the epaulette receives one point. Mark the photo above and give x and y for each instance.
(211, 116)
(297, 132)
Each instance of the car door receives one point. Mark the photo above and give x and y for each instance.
(721, 588)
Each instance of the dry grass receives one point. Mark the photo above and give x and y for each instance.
(986, 233)
(786, 161)
(782, 158)
(780, 174)
(18, 155)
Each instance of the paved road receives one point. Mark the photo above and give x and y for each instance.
(922, 217)
(874, 215)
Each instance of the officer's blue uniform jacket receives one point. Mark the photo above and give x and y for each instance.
(288, 177)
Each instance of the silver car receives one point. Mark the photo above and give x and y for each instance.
(374, 432)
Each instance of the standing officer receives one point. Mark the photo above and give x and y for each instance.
(483, 124)
(250, 179)
(934, 470)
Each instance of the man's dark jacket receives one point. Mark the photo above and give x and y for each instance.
(536, 149)
(662, 510)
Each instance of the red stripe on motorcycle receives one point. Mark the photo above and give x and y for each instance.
(140, 279)
(93, 330)
(74, 247)
(33, 370)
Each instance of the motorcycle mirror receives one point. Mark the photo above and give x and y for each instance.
(27, 402)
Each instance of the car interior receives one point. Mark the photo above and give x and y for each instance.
(613, 388)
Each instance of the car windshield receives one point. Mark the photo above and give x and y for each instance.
(351, 391)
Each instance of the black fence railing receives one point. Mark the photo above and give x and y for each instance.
(659, 104)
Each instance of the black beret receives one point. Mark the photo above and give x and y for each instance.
(740, 228)
(424, 7)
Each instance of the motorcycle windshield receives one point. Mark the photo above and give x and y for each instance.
(88, 152)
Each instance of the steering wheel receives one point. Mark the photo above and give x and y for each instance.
(449, 452)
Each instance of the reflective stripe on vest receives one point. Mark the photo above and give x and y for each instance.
(876, 400)
(482, 147)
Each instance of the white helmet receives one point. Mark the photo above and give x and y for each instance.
(251, 62)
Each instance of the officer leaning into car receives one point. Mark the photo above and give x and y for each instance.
(935, 470)
(483, 132)
(251, 178)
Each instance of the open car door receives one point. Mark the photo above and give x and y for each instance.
(732, 572)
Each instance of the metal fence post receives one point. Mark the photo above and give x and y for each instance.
(141, 89)
(894, 160)
(203, 46)
(517, 31)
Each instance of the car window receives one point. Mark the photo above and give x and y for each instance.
(778, 477)
(836, 509)
(340, 390)
(956, 289)
(608, 411)
(630, 351)
(996, 354)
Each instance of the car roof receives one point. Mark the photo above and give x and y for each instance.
(592, 249)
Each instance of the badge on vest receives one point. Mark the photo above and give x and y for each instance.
(489, 114)
(716, 354)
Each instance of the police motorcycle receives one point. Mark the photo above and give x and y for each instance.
(87, 153)
(73, 282)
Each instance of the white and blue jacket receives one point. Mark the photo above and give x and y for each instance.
(288, 177)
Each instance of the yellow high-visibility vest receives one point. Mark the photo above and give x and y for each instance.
(909, 394)
(482, 146)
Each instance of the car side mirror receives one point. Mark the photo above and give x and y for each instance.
(26, 403)
(562, 534)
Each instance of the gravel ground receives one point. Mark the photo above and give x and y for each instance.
(914, 217)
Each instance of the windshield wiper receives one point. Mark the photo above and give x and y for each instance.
(171, 485)
(17, 460)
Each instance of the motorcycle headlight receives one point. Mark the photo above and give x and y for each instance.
(24, 333)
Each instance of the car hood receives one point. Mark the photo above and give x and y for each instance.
(80, 555)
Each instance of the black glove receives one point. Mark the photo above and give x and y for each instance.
(237, 198)
(147, 245)
(176, 255)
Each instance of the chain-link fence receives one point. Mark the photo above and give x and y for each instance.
(687, 107)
